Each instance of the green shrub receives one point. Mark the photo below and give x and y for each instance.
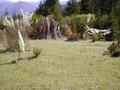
(37, 52)
(2, 37)
(116, 30)
(63, 30)
(114, 49)
(80, 22)
(72, 38)
(12, 39)
(102, 22)
(62, 23)
(97, 37)
(36, 26)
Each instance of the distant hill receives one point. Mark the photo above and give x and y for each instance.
(62, 6)
(11, 7)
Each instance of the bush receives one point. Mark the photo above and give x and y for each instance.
(63, 29)
(37, 25)
(114, 49)
(36, 52)
(72, 38)
(2, 38)
(62, 23)
(77, 23)
(116, 30)
(12, 40)
(97, 37)
(80, 22)
(102, 22)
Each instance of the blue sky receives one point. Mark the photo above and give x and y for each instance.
(30, 0)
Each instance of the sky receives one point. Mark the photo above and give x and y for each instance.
(30, 0)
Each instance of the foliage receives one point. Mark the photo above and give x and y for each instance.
(3, 38)
(12, 40)
(49, 8)
(37, 25)
(72, 38)
(84, 6)
(13, 25)
(77, 23)
(114, 49)
(116, 30)
(62, 23)
(97, 37)
(36, 52)
(105, 14)
(1, 24)
(116, 21)
(99, 7)
(36, 21)
(80, 22)
(102, 22)
(63, 29)
(41, 9)
(72, 7)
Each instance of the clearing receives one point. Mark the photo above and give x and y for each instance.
(61, 66)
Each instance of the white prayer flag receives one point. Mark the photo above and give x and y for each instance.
(21, 42)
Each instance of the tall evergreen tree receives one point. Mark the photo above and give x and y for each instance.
(53, 8)
(104, 6)
(84, 6)
(116, 20)
(91, 6)
(41, 9)
(100, 7)
(72, 7)
(49, 7)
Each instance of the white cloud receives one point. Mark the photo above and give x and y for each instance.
(30, 0)
(22, 0)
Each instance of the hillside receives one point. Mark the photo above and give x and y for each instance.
(11, 7)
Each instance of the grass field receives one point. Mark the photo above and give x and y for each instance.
(61, 66)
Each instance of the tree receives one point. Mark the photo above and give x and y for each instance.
(15, 16)
(84, 6)
(103, 6)
(53, 8)
(49, 7)
(72, 7)
(99, 7)
(91, 6)
(116, 9)
(41, 9)
(116, 20)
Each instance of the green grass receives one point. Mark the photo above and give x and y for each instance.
(61, 66)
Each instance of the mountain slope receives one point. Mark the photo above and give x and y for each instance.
(11, 7)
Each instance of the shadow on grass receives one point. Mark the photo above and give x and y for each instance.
(3, 51)
(113, 54)
(31, 58)
(12, 62)
(106, 53)
(9, 63)
(19, 59)
(67, 40)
